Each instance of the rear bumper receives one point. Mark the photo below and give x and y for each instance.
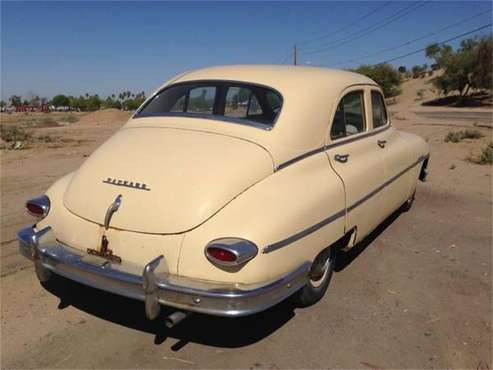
(150, 283)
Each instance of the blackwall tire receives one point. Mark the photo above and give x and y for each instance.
(320, 276)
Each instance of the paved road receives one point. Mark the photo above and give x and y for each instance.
(459, 116)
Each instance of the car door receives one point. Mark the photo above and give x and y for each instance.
(358, 161)
(396, 187)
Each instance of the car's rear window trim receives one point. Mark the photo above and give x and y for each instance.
(212, 117)
(218, 84)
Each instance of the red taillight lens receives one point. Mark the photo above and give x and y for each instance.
(221, 254)
(38, 207)
(35, 209)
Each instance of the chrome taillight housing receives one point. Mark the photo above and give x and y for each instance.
(229, 252)
(38, 207)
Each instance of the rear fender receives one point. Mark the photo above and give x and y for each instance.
(287, 209)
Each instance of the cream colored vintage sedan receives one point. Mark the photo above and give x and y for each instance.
(229, 190)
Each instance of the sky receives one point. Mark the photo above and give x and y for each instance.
(92, 47)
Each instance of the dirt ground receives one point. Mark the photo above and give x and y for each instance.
(417, 293)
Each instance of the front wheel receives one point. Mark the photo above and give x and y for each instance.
(319, 279)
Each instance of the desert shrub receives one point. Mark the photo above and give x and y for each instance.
(458, 136)
(485, 157)
(12, 134)
(420, 94)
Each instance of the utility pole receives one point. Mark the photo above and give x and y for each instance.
(295, 56)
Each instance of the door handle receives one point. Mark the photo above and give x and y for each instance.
(381, 143)
(341, 158)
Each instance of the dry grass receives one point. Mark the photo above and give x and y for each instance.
(458, 136)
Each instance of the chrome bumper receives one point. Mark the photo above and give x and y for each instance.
(151, 286)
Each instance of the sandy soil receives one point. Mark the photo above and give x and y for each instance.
(416, 294)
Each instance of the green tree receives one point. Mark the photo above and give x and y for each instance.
(93, 103)
(385, 75)
(467, 67)
(482, 77)
(402, 69)
(15, 100)
(60, 101)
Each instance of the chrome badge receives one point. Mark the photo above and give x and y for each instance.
(126, 183)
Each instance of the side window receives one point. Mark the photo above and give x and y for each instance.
(201, 99)
(349, 118)
(379, 114)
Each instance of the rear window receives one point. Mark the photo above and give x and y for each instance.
(229, 101)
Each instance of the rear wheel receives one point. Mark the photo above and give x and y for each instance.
(319, 279)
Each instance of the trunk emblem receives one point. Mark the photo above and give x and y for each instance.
(126, 183)
(111, 210)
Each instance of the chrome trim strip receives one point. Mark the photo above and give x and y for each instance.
(300, 158)
(343, 141)
(353, 138)
(302, 234)
(159, 287)
(335, 216)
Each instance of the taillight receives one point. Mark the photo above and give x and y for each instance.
(221, 254)
(230, 251)
(38, 207)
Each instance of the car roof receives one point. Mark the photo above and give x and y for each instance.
(279, 77)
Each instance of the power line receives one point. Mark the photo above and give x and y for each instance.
(284, 59)
(349, 25)
(407, 43)
(438, 43)
(368, 30)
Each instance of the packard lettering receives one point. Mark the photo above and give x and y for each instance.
(126, 183)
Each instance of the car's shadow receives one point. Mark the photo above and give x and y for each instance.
(344, 258)
(209, 330)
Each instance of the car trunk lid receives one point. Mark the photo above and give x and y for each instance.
(170, 180)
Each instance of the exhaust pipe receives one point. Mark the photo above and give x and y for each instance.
(175, 318)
